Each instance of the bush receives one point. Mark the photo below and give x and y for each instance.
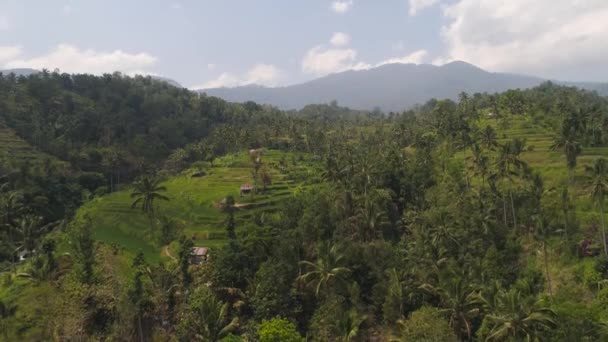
(278, 330)
(426, 324)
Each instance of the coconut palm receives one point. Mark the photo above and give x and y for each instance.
(543, 231)
(480, 163)
(513, 317)
(29, 228)
(327, 271)
(458, 299)
(347, 326)
(509, 164)
(207, 318)
(147, 191)
(567, 141)
(598, 174)
(488, 138)
(229, 207)
(10, 208)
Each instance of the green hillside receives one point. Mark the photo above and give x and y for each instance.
(193, 204)
(14, 152)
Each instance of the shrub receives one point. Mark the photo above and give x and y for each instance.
(278, 330)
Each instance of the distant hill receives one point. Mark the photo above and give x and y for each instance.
(392, 87)
(20, 71)
(27, 72)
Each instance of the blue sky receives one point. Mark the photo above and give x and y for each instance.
(202, 43)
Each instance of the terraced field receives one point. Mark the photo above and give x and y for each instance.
(194, 201)
(14, 151)
(552, 164)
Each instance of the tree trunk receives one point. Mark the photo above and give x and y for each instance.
(547, 268)
(141, 334)
(603, 226)
(504, 209)
(513, 209)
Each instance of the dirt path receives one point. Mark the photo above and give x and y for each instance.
(166, 252)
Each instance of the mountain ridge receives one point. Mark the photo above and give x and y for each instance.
(390, 87)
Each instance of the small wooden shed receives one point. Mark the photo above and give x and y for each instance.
(246, 189)
(199, 255)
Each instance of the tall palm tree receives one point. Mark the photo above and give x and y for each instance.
(488, 138)
(480, 163)
(598, 173)
(147, 191)
(509, 164)
(458, 300)
(10, 208)
(511, 316)
(543, 231)
(567, 141)
(229, 207)
(348, 325)
(327, 271)
(208, 317)
(29, 229)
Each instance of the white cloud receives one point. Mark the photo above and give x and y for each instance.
(8, 53)
(341, 6)
(540, 37)
(416, 57)
(340, 39)
(71, 59)
(261, 74)
(418, 5)
(322, 59)
(264, 74)
(210, 66)
(176, 6)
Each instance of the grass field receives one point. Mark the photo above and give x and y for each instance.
(193, 202)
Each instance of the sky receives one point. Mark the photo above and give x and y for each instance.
(214, 43)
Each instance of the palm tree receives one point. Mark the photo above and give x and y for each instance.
(508, 165)
(543, 231)
(567, 141)
(327, 271)
(488, 138)
(208, 317)
(348, 325)
(10, 207)
(480, 163)
(29, 229)
(147, 190)
(229, 207)
(512, 316)
(458, 300)
(598, 173)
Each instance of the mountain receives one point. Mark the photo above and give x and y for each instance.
(391, 87)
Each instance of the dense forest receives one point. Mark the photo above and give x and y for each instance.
(473, 220)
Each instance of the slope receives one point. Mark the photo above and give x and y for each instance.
(392, 87)
(194, 202)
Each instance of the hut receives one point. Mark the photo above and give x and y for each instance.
(199, 255)
(246, 189)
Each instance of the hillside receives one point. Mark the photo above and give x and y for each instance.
(15, 152)
(193, 204)
(392, 87)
